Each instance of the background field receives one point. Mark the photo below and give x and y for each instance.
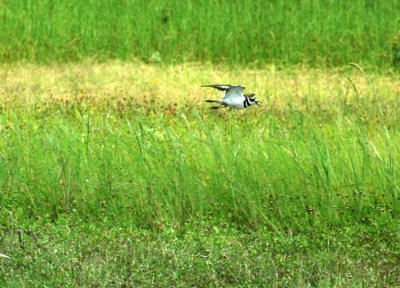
(115, 173)
(246, 32)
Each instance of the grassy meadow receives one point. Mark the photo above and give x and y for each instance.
(118, 174)
(114, 172)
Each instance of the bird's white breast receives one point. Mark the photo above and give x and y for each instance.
(236, 103)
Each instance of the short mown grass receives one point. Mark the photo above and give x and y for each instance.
(119, 174)
(96, 255)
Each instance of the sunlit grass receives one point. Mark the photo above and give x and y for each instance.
(119, 84)
(87, 133)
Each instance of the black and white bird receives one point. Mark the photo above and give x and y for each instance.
(234, 97)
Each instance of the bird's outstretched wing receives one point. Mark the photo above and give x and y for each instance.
(234, 92)
(221, 87)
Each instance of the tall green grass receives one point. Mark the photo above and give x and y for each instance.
(247, 171)
(103, 142)
(312, 32)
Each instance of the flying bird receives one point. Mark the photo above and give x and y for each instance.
(233, 97)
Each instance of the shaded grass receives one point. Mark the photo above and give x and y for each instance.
(88, 255)
(122, 173)
(312, 32)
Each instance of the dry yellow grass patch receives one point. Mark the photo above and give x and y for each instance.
(118, 83)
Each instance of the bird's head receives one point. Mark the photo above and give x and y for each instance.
(253, 99)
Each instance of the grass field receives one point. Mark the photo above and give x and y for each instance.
(114, 172)
(247, 32)
(119, 175)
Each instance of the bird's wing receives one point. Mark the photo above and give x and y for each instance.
(234, 92)
(221, 87)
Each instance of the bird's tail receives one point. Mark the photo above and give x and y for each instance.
(213, 101)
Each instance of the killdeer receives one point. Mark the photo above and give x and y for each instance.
(234, 97)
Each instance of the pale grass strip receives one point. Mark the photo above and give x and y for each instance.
(4, 256)
(180, 84)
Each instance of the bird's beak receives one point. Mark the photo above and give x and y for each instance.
(258, 103)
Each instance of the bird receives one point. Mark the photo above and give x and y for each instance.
(233, 97)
